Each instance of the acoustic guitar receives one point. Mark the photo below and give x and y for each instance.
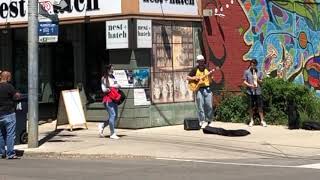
(194, 85)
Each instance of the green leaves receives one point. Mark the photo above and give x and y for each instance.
(233, 108)
(276, 95)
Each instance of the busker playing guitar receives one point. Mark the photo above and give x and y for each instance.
(199, 80)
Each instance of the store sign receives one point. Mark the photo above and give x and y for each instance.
(183, 7)
(17, 10)
(144, 33)
(117, 34)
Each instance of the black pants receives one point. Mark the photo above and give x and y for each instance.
(255, 101)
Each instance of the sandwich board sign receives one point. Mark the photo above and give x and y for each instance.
(70, 109)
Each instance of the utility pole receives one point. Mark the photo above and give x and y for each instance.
(33, 112)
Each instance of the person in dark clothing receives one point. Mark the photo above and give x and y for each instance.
(252, 80)
(8, 95)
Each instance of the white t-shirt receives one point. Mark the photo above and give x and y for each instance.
(112, 83)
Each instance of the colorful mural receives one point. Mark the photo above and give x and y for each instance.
(283, 35)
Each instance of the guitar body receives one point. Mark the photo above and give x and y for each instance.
(194, 85)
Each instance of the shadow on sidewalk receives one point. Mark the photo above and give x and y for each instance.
(49, 136)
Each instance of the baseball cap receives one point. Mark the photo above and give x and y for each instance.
(200, 57)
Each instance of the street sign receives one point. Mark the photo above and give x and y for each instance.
(48, 31)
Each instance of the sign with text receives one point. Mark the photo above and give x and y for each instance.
(141, 97)
(124, 78)
(183, 7)
(117, 34)
(48, 31)
(17, 10)
(144, 33)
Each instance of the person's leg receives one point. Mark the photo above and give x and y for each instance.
(208, 105)
(251, 105)
(200, 102)
(112, 110)
(2, 143)
(11, 134)
(259, 103)
(102, 125)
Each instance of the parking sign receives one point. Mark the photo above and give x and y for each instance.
(48, 31)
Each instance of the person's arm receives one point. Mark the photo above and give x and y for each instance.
(113, 83)
(192, 75)
(245, 81)
(14, 93)
(104, 86)
(248, 84)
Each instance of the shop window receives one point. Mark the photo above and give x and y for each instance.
(173, 58)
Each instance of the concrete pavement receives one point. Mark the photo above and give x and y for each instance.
(175, 142)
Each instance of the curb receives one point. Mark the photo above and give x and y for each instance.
(54, 155)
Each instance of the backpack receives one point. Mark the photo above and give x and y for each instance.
(113, 94)
(122, 97)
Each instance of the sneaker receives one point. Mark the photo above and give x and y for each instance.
(13, 157)
(100, 131)
(263, 123)
(251, 123)
(114, 136)
(2, 156)
(209, 123)
(203, 124)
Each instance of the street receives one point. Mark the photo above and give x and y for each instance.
(157, 168)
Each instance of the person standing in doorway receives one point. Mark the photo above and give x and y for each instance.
(252, 80)
(107, 83)
(8, 96)
(202, 79)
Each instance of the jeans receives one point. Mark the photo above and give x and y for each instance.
(8, 123)
(112, 109)
(204, 104)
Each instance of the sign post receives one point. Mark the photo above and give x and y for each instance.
(33, 115)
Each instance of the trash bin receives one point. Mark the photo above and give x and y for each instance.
(293, 115)
(21, 120)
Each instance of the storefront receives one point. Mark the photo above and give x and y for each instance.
(152, 44)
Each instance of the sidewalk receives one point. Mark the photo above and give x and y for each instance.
(175, 142)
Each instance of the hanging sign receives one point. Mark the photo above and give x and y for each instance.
(117, 34)
(181, 7)
(144, 33)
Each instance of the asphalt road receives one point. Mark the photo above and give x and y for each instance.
(157, 169)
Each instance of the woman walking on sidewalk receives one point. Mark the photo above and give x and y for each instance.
(109, 84)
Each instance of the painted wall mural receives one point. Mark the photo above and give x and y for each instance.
(223, 40)
(283, 35)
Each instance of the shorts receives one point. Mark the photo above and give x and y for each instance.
(255, 101)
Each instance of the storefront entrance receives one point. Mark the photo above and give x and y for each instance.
(56, 73)
(62, 68)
